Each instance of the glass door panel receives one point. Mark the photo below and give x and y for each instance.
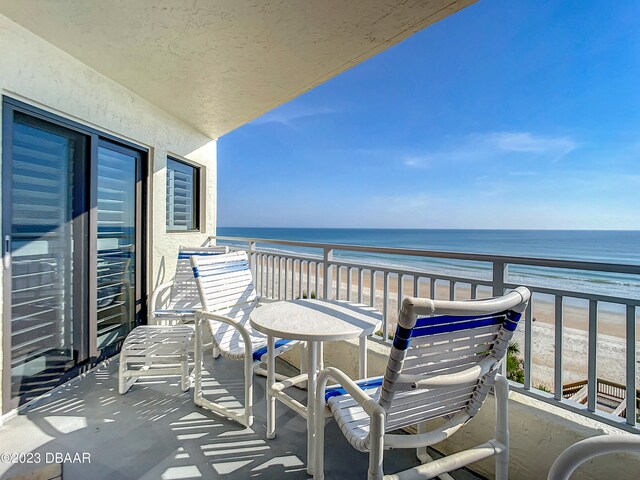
(116, 269)
(46, 236)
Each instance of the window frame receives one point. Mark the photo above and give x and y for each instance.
(197, 190)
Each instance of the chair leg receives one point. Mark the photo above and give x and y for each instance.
(376, 451)
(185, 384)
(124, 381)
(245, 417)
(421, 452)
(502, 426)
(271, 379)
(197, 361)
(318, 459)
(248, 390)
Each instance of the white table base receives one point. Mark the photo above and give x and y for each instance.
(275, 390)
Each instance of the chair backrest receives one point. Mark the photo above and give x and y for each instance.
(445, 356)
(224, 282)
(184, 291)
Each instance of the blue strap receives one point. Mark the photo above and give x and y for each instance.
(457, 326)
(445, 319)
(448, 323)
(195, 272)
(363, 384)
(186, 255)
(257, 354)
(511, 323)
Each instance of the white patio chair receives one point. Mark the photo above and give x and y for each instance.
(228, 297)
(443, 362)
(183, 299)
(162, 348)
(586, 449)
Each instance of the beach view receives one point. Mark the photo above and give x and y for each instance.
(611, 247)
(519, 169)
(381, 239)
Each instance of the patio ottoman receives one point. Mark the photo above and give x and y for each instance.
(155, 350)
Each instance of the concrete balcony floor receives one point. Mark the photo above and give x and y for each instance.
(156, 432)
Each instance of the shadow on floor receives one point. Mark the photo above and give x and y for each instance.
(156, 432)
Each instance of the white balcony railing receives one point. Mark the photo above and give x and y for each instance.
(287, 269)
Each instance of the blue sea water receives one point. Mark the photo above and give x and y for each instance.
(618, 247)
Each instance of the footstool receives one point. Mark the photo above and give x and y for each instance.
(155, 350)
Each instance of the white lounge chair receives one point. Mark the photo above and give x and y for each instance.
(228, 297)
(183, 299)
(443, 362)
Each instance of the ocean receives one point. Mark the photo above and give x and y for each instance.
(618, 247)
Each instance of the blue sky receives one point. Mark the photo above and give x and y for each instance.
(505, 115)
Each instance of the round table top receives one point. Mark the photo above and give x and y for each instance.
(316, 320)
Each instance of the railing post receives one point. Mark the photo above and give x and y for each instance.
(252, 251)
(528, 345)
(499, 274)
(631, 367)
(557, 363)
(592, 371)
(326, 282)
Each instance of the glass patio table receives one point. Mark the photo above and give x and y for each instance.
(313, 321)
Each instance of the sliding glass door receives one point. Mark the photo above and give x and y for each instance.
(47, 243)
(72, 225)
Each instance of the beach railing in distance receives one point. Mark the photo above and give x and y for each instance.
(285, 270)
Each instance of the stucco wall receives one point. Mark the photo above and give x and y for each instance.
(538, 432)
(35, 72)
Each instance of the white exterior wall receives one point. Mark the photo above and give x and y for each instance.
(35, 72)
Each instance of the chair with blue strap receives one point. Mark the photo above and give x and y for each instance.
(176, 302)
(443, 363)
(228, 297)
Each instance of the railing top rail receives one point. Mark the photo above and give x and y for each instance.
(478, 257)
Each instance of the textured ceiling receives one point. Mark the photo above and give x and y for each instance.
(219, 64)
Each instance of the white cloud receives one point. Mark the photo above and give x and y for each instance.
(287, 116)
(478, 147)
(417, 162)
(527, 142)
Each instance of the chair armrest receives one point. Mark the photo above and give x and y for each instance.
(156, 294)
(202, 315)
(371, 407)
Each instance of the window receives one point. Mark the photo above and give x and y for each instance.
(182, 196)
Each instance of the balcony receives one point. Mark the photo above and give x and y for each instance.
(155, 431)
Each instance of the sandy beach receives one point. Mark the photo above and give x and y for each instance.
(611, 324)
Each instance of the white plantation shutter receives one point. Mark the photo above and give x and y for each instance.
(182, 192)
